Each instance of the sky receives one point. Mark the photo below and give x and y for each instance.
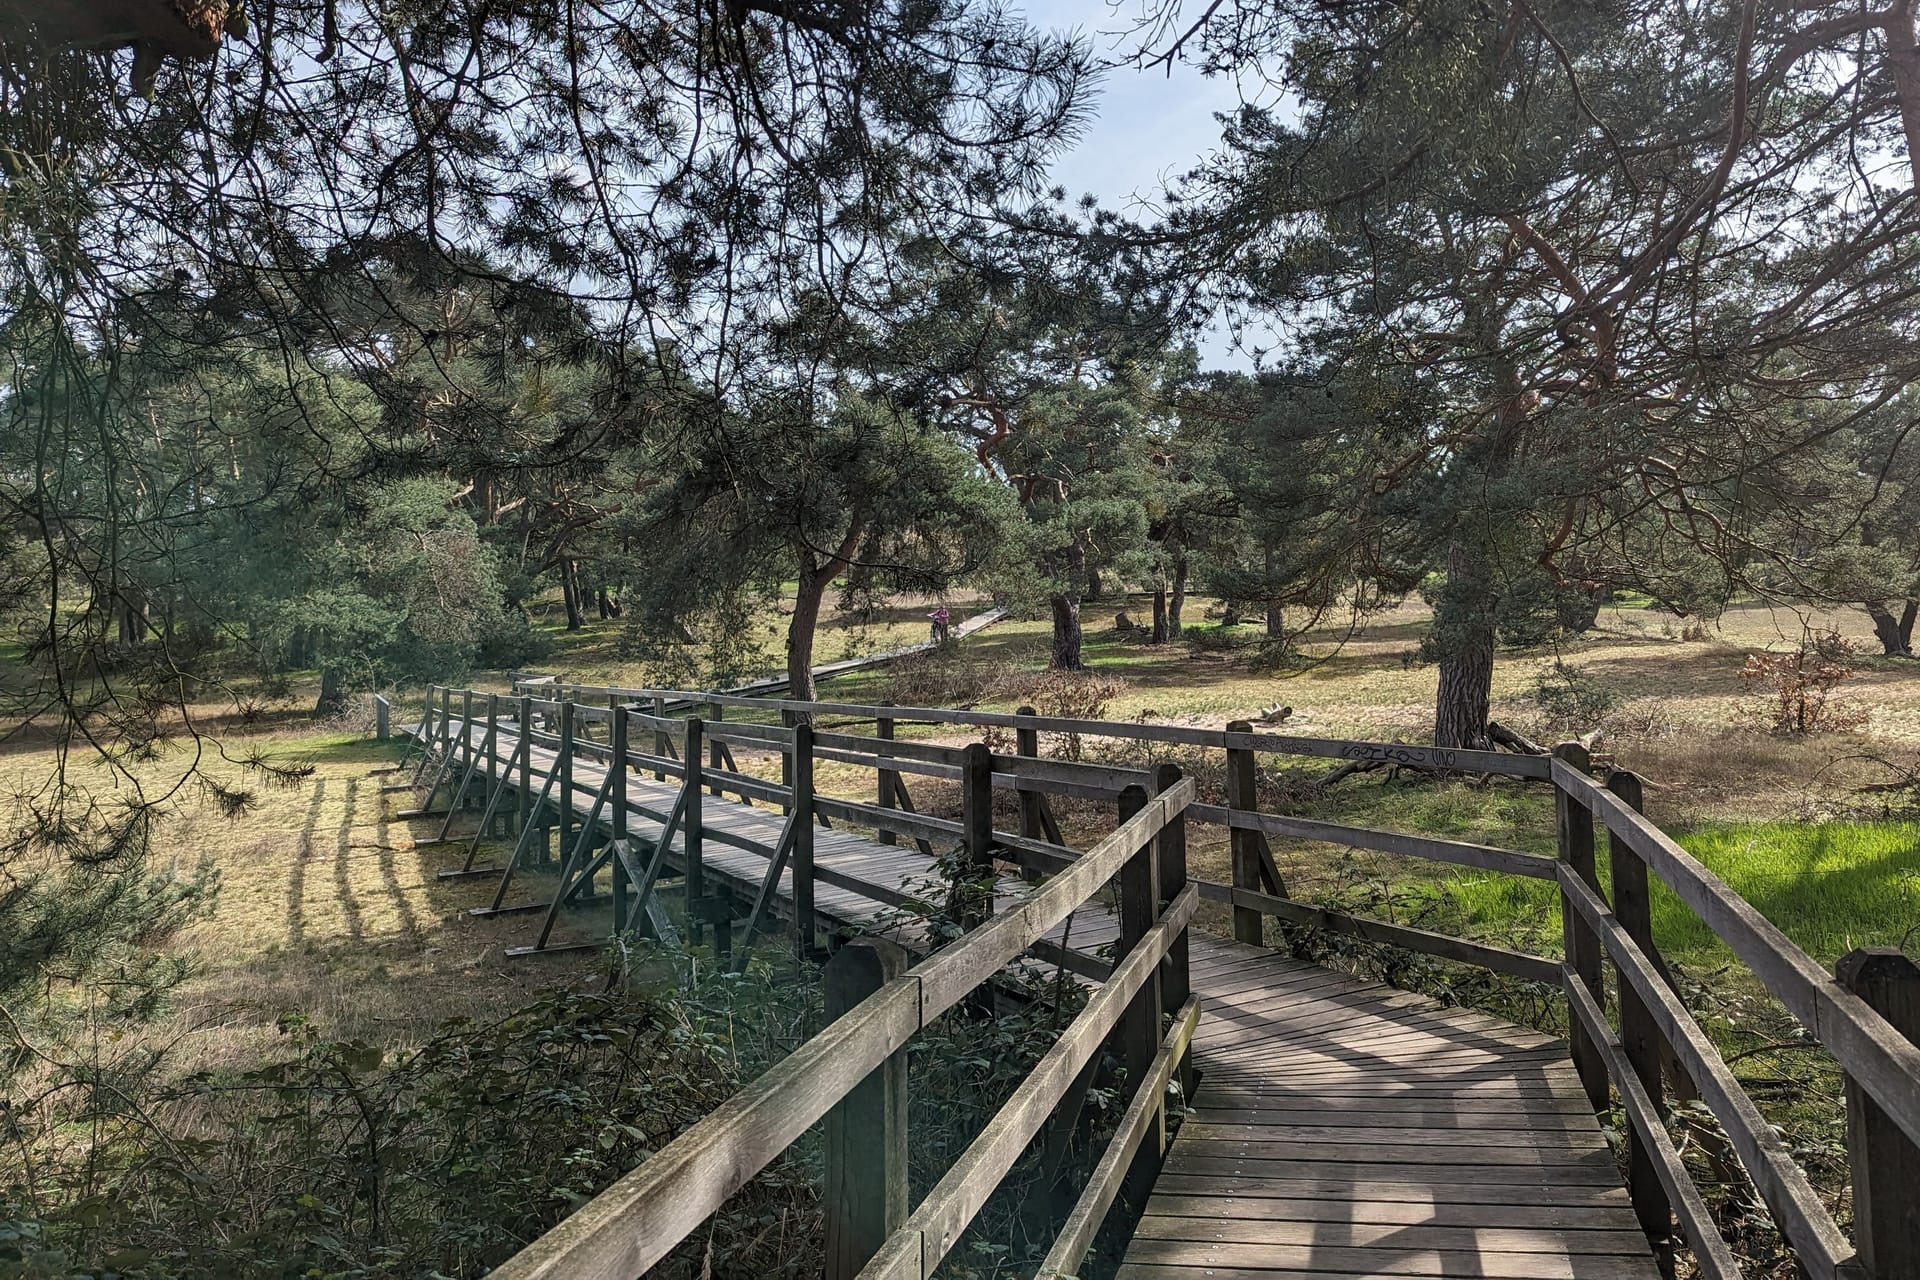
(1150, 126)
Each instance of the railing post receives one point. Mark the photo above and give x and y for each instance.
(617, 802)
(662, 742)
(973, 879)
(1139, 1032)
(788, 719)
(716, 713)
(691, 836)
(1639, 1034)
(1027, 743)
(1175, 983)
(889, 778)
(459, 801)
(866, 1175)
(800, 864)
(1574, 820)
(492, 747)
(565, 786)
(382, 722)
(1243, 795)
(1885, 1162)
(523, 806)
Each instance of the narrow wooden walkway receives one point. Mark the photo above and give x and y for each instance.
(1341, 1128)
(1346, 1128)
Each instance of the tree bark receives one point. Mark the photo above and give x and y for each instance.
(333, 693)
(1066, 633)
(1177, 605)
(1093, 586)
(816, 575)
(1895, 634)
(1276, 621)
(800, 631)
(1159, 615)
(570, 592)
(1460, 707)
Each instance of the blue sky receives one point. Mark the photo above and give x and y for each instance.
(1151, 125)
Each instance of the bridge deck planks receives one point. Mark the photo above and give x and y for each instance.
(1341, 1129)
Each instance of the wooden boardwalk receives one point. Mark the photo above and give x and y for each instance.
(1341, 1128)
(1345, 1128)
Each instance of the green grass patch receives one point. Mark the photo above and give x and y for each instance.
(1831, 886)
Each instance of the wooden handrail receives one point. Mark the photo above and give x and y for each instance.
(634, 1223)
(1885, 1063)
(1495, 762)
(1822, 1247)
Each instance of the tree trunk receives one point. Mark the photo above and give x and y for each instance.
(333, 693)
(1895, 634)
(816, 576)
(1230, 614)
(1465, 618)
(1460, 707)
(1178, 604)
(1066, 633)
(1276, 621)
(570, 592)
(814, 581)
(1093, 586)
(603, 603)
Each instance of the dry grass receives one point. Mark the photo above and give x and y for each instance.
(329, 907)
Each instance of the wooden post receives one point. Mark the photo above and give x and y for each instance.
(617, 802)
(788, 719)
(690, 832)
(1175, 984)
(866, 1175)
(1638, 1032)
(1886, 1163)
(973, 880)
(662, 743)
(459, 800)
(800, 864)
(382, 718)
(1575, 823)
(1027, 743)
(716, 713)
(523, 807)
(564, 789)
(495, 778)
(1138, 885)
(889, 778)
(1243, 794)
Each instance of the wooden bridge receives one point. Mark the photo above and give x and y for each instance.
(1327, 1126)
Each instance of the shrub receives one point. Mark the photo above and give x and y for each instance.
(1571, 698)
(947, 677)
(341, 1159)
(1221, 639)
(1795, 690)
(1068, 695)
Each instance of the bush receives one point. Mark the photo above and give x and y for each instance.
(1068, 695)
(1795, 690)
(948, 677)
(1221, 639)
(343, 1160)
(1570, 698)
